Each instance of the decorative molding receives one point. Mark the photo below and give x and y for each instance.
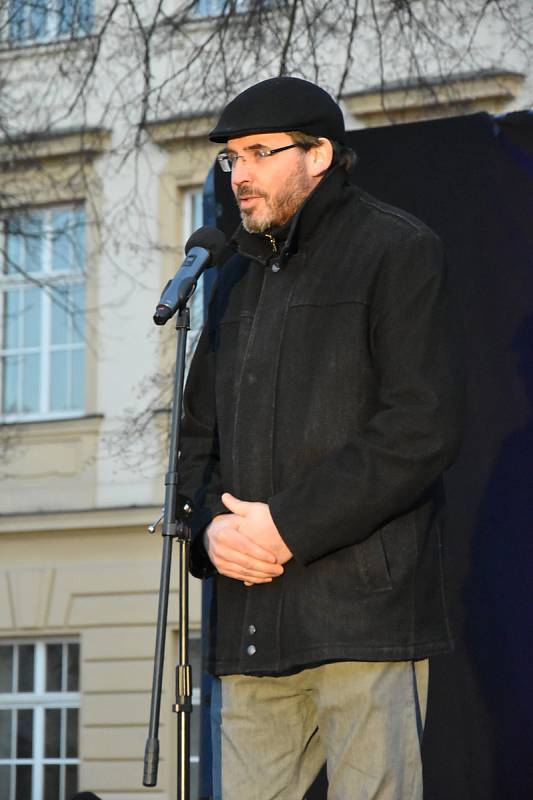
(409, 101)
(87, 520)
(30, 591)
(176, 130)
(39, 146)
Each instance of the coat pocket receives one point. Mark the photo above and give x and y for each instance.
(372, 564)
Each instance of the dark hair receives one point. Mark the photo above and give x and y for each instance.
(343, 155)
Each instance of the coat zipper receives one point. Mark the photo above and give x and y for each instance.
(272, 242)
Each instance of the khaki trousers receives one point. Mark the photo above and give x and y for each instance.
(364, 718)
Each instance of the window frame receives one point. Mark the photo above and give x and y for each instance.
(38, 701)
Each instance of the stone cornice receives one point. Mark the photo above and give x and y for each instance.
(406, 101)
(41, 146)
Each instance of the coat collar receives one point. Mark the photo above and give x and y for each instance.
(295, 233)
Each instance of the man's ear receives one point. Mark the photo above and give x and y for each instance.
(320, 158)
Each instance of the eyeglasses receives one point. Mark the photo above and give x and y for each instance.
(228, 160)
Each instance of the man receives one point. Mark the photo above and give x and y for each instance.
(321, 409)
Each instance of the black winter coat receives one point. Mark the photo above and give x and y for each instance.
(326, 384)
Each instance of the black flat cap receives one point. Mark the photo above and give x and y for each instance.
(281, 104)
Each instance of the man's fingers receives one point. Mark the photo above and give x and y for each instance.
(244, 562)
(234, 539)
(237, 556)
(249, 577)
(234, 504)
(224, 521)
(238, 576)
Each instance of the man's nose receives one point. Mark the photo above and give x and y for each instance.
(240, 172)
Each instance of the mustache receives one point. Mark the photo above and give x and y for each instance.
(249, 191)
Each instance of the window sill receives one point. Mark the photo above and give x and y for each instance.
(31, 49)
(82, 422)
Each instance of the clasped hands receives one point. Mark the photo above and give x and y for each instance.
(245, 544)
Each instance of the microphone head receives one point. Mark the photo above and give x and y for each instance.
(210, 239)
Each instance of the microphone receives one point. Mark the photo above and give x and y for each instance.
(202, 250)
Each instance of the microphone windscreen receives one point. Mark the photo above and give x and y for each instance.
(210, 239)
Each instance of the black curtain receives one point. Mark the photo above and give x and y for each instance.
(470, 179)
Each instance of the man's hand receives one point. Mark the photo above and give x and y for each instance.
(255, 521)
(236, 555)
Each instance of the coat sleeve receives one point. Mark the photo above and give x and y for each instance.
(199, 468)
(414, 434)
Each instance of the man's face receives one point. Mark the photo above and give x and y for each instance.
(269, 190)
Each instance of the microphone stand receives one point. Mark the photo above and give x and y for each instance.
(176, 514)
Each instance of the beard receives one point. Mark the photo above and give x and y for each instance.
(278, 207)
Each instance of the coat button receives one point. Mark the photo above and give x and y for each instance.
(251, 629)
(251, 650)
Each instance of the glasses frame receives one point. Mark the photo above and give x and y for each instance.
(228, 160)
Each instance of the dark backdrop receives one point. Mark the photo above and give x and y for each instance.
(470, 179)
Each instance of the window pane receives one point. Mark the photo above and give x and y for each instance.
(33, 240)
(6, 720)
(11, 318)
(31, 382)
(78, 313)
(5, 782)
(16, 19)
(38, 19)
(54, 662)
(23, 782)
(6, 668)
(13, 249)
(79, 216)
(71, 780)
(25, 671)
(72, 732)
(59, 381)
(24, 733)
(10, 371)
(62, 238)
(31, 312)
(78, 380)
(206, 8)
(51, 782)
(61, 311)
(73, 679)
(52, 734)
(75, 17)
(86, 16)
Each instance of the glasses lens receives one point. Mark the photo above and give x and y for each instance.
(224, 161)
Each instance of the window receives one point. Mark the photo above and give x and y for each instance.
(215, 8)
(42, 288)
(48, 20)
(39, 703)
